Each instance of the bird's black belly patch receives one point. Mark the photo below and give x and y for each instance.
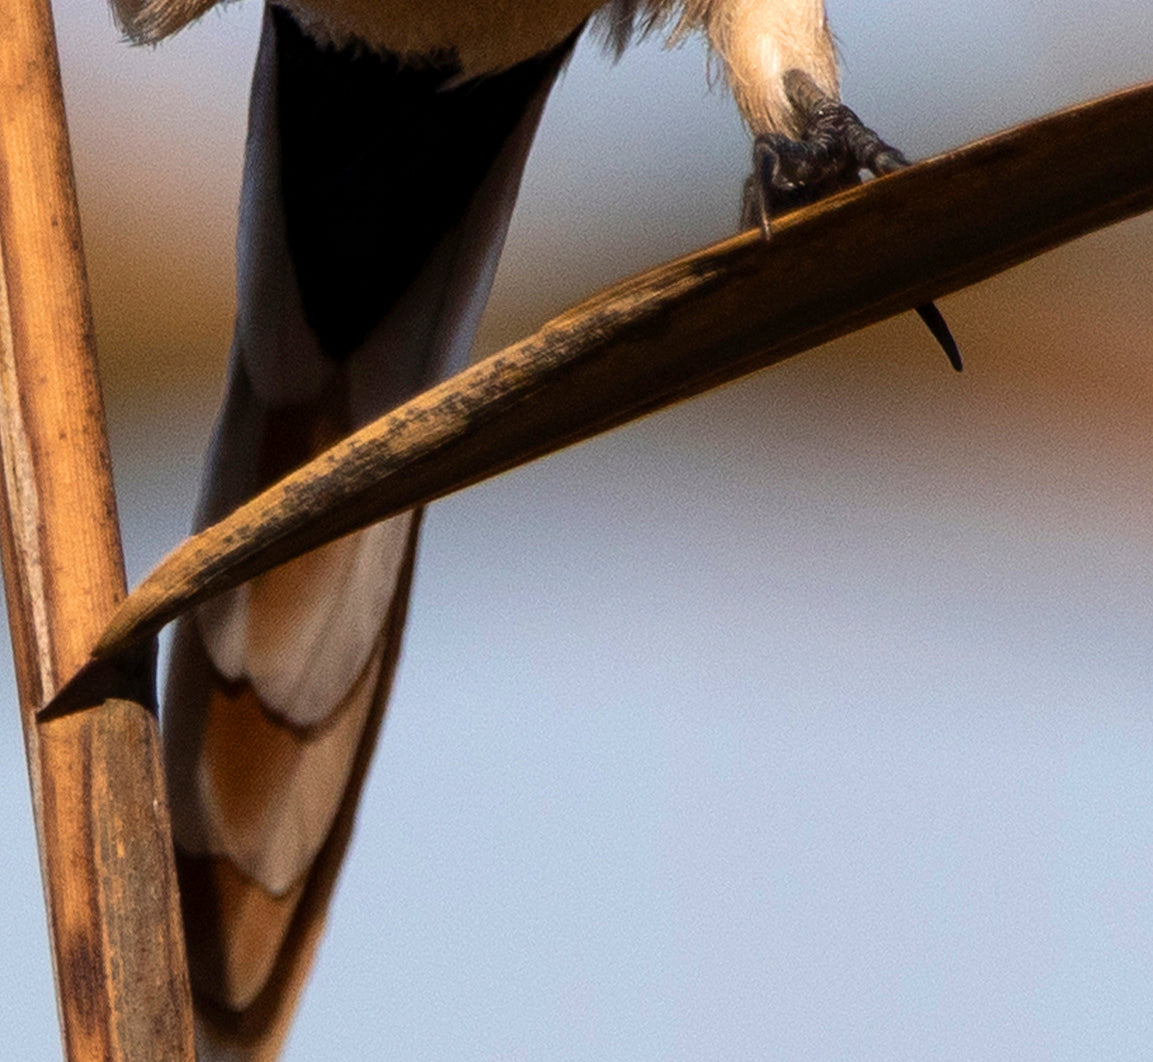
(379, 160)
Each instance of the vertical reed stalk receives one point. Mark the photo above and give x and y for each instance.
(97, 785)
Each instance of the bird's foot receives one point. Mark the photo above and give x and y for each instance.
(834, 148)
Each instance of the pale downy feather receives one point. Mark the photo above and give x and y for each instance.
(757, 40)
(148, 21)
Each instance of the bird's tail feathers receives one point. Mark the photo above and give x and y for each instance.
(366, 252)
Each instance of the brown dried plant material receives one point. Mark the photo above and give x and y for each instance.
(684, 327)
(98, 795)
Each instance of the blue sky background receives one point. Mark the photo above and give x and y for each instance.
(807, 720)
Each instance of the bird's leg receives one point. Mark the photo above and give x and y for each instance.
(834, 147)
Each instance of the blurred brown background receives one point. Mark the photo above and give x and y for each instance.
(806, 720)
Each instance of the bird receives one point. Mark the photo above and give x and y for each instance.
(386, 142)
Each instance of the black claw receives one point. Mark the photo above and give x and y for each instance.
(835, 146)
(833, 149)
(936, 323)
